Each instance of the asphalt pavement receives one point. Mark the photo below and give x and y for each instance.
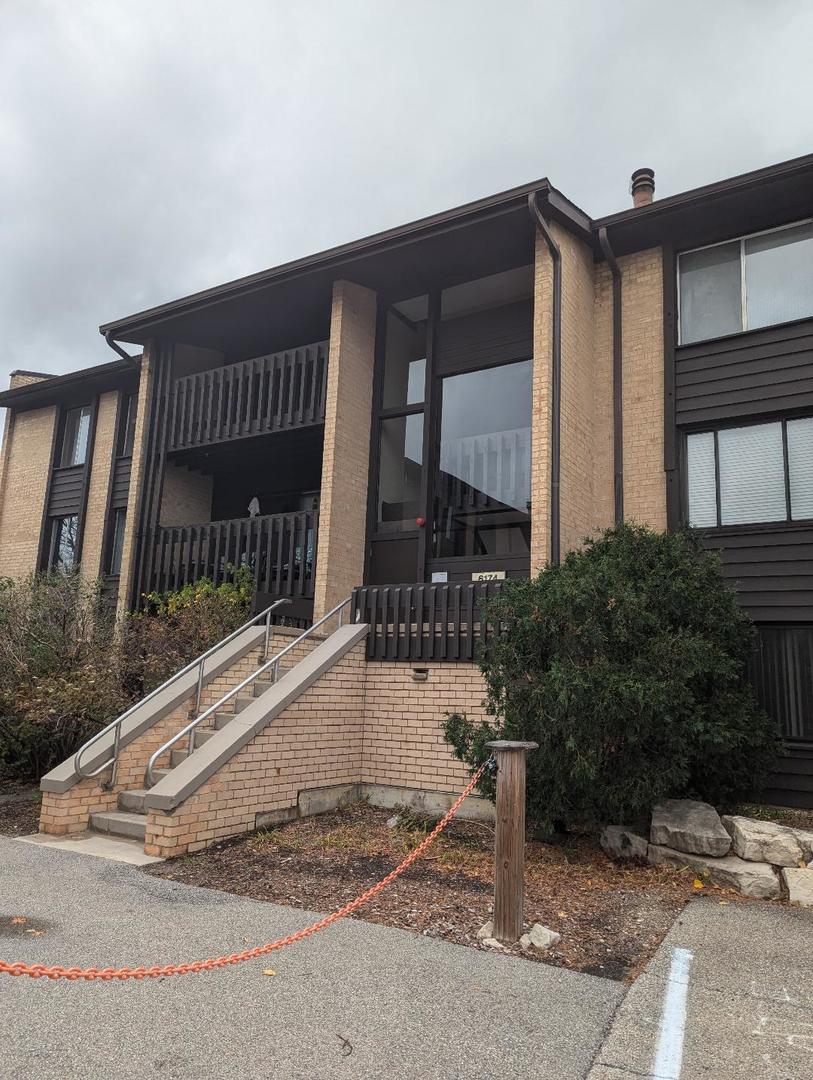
(357, 1000)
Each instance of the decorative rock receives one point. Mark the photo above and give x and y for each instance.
(755, 879)
(620, 843)
(492, 943)
(694, 827)
(393, 822)
(806, 840)
(800, 886)
(540, 937)
(764, 841)
(486, 931)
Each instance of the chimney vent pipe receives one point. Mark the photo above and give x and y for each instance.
(643, 187)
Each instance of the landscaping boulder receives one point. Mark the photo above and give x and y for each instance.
(764, 841)
(685, 825)
(486, 931)
(805, 838)
(620, 843)
(756, 879)
(799, 884)
(540, 937)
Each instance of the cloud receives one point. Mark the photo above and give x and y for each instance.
(151, 149)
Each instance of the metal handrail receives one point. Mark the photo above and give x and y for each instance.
(273, 663)
(115, 725)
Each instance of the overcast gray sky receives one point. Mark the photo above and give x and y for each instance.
(152, 148)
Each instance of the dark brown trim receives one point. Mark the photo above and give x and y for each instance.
(36, 393)
(618, 376)
(671, 459)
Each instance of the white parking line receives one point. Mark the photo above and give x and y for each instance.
(669, 1058)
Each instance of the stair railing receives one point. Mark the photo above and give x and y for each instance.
(198, 662)
(272, 664)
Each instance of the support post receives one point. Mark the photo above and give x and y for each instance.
(509, 840)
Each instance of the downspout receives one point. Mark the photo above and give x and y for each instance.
(618, 388)
(114, 345)
(556, 377)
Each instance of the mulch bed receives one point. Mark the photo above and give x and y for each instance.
(19, 809)
(611, 916)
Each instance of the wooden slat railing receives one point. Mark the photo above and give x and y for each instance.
(425, 622)
(278, 549)
(269, 393)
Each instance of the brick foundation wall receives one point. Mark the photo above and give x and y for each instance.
(316, 742)
(27, 445)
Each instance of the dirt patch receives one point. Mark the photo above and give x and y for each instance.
(19, 809)
(611, 916)
(782, 815)
(23, 926)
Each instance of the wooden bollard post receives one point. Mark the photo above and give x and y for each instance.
(509, 840)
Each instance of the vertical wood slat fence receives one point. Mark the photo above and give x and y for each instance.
(277, 392)
(425, 622)
(278, 549)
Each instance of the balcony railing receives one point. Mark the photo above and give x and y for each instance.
(278, 549)
(269, 393)
(425, 622)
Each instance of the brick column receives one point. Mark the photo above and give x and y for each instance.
(125, 600)
(541, 411)
(346, 453)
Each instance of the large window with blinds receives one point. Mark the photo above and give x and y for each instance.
(754, 281)
(752, 474)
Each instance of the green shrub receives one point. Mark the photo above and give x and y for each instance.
(175, 627)
(626, 663)
(60, 677)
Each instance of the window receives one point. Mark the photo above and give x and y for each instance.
(63, 545)
(751, 474)
(483, 485)
(399, 472)
(759, 280)
(75, 437)
(116, 541)
(126, 435)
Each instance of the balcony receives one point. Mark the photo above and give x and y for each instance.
(283, 391)
(278, 549)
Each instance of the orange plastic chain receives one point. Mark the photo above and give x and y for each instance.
(37, 971)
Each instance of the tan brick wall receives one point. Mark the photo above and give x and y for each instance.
(541, 408)
(25, 378)
(603, 460)
(644, 476)
(343, 507)
(403, 737)
(316, 742)
(99, 484)
(27, 447)
(186, 497)
(136, 485)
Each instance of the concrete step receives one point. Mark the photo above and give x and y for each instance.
(203, 735)
(159, 774)
(133, 801)
(176, 757)
(222, 718)
(120, 823)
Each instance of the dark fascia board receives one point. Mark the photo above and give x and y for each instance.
(655, 211)
(456, 218)
(54, 387)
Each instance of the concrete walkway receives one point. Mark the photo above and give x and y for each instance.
(728, 996)
(358, 1000)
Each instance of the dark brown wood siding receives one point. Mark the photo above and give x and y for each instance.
(496, 335)
(771, 568)
(745, 375)
(120, 487)
(67, 486)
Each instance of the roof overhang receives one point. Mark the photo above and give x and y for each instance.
(75, 385)
(741, 204)
(290, 303)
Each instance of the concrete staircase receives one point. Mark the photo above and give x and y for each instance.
(130, 819)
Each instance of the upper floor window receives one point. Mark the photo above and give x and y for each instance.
(126, 435)
(75, 436)
(739, 285)
(751, 474)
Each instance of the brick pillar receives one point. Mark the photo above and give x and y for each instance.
(346, 453)
(100, 469)
(541, 411)
(125, 600)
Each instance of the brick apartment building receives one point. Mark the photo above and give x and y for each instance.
(412, 417)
